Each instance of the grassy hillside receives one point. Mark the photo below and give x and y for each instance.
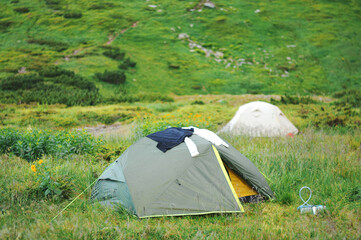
(296, 47)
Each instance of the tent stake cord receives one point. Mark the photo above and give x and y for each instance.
(79, 194)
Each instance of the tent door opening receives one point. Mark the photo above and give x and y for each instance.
(240, 186)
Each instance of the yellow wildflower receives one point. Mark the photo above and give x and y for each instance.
(33, 168)
(40, 161)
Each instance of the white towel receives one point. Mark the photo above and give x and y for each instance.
(192, 148)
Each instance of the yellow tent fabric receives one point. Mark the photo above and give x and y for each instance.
(240, 186)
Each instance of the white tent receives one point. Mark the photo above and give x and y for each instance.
(260, 119)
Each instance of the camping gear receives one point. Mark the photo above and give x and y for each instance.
(149, 183)
(305, 207)
(260, 119)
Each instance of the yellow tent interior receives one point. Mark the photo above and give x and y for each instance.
(240, 186)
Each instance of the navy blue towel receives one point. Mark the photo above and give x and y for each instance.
(171, 137)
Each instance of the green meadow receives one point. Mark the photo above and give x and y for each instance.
(325, 156)
(80, 81)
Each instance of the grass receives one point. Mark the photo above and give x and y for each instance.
(295, 47)
(325, 162)
(324, 158)
(299, 48)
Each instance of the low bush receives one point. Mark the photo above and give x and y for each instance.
(140, 97)
(56, 45)
(73, 14)
(114, 77)
(53, 86)
(114, 53)
(61, 95)
(75, 81)
(334, 117)
(21, 10)
(20, 82)
(5, 23)
(54, 71)
(47, 185)
(350, 97)
(288, 99)
(109, 152)
(103, 118)
(34, 144)
(127, 63)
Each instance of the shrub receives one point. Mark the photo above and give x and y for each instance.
(73, 14)
(288, 99)
(21, 10)
(103, 118)
(114, 77)
(56, 45)
(140, 97)
(5, 23)
(47, 185)
(34, 144)
(102, 5)
(66, 88)
(17, 82)
(114, 53)
(75, 81)
(127, 63)
(54, 71)
(109, 152)
(336, 117)
(197, 102)
(61, 95)
(349, 97)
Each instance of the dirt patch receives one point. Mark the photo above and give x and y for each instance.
(109, 130)
(113, 37)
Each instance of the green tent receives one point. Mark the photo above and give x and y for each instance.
(150, 183)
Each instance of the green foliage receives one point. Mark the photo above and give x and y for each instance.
(303, 49)
(335, 118)
(326, 160)
(21, 10)
(109, 152)
(34, 144)
(47, 186)
(56, 45)
(5, 23)
(140, 97)
(198, 102)
(75, 81)
(350, 97)
(54, 71)
(20, 82)
(73, 14)
(288, 99)
(127, 63)
(114, 53)
(113, 77)
(103, 118)
(54, 4)
(57, 86)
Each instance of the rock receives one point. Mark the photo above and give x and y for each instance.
(209, 4)
(218, 54)
(183, 36)
(22, 70)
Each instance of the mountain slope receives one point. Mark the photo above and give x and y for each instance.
(295, 47)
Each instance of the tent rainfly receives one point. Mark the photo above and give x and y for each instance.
(150, 183)
(260, 119)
